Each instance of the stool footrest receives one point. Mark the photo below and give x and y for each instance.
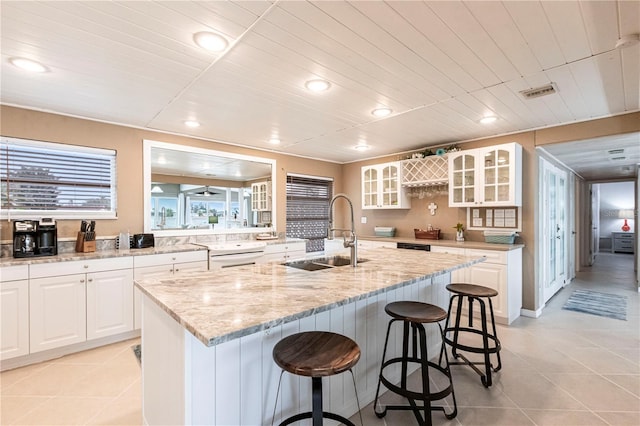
(309, 415)
(412, 394)
(475, 349)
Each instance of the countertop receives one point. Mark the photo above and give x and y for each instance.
(221, 305)
(480, 245)
(100, 254)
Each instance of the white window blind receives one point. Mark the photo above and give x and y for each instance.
(56, 180)
(308, 201)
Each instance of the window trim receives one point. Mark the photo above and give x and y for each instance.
(112, 213)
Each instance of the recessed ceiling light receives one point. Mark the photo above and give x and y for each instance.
(488, 119)
(28, 65)
(381, 112)
(210, 41)
(274, 141)
(192, 123)
(317, 85)
(362, 147)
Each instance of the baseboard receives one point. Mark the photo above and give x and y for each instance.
(531, 314)
(11, 363)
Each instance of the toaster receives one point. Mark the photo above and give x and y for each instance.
(143, 241)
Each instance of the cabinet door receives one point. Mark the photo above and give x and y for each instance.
(500, 175)
(14, 312)
(390, 185)
(369, 187)
(459, 275)
(462, 179)
(493, 276)
(57, 313)
(109, 303)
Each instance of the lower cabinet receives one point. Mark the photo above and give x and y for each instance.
(57, 311)
(501, 271)
(14, 312)
(71, 302)
(158, 265)
(284, 252)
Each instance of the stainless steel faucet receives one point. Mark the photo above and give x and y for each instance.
(352, 242)
(163, 217)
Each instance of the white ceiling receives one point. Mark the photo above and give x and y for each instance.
(440, 65)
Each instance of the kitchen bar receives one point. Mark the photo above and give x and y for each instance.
(207, 337)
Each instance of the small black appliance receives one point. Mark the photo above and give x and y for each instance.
(33, 238)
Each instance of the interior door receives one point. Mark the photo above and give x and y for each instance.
(554, 229)
(594, 242)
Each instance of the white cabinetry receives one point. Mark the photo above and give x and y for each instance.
(382, 187)
(623, 242)
(261, 196)
(368, 244)
(14, 311)
(60, 313)
(284, 252)
(490, 176)
(165, 264)
(501, 271)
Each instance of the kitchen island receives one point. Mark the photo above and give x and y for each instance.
(207, 337)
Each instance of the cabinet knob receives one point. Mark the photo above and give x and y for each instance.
(82, 280)
(86, 266)
(90, 280)
(173, 258)
(177, 270)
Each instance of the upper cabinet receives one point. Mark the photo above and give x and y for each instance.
(382, 187)
(261, 196)
(489, 176)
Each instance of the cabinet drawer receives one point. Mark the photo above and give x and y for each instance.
(80, 266)
(491, 255)
(285, 247)
(449, 250)
(14, 273)
(170, 258)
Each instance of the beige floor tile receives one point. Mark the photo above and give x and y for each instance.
(492, 417)
(564, 418)
(63, 411)
(106, 380)
(603, 361)
(620, 418)
(14, 407)
(95, 356)
(10, 377)
(630, 382)
(50, 381)
(536, 391)
(597, 393)
(121, 411)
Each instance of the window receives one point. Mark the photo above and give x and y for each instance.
(308, 201)
(56, 180)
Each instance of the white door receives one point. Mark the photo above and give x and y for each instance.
(554, 229)
(594, 243)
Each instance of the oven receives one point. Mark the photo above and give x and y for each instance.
(227, 255)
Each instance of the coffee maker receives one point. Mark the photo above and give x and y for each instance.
(33, 238)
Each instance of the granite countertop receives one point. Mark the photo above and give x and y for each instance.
(481, 245)
(225, 304)
(100, 254)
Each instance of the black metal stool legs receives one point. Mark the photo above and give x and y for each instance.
(423, 410)
(490, 342)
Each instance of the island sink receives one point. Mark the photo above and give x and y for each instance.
(321, 263)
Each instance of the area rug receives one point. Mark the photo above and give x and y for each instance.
(137, 351)
(596, 303)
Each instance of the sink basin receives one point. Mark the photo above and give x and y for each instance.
(322, 263)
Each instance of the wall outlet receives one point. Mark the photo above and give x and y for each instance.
(363, 219)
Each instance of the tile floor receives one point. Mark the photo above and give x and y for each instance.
(564, 368)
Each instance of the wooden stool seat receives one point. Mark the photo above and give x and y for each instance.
(471, 290)
(415, 312)
(316, 353)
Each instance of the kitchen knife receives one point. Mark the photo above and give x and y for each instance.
(83, 226)
(92, 226)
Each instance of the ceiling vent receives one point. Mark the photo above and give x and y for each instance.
(616, 151)
(539, 91)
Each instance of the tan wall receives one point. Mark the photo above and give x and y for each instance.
(128, 142)
(27, 124)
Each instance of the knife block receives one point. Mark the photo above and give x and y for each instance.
(84, 246)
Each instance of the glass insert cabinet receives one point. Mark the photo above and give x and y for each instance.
(382, 187)
(489, 176)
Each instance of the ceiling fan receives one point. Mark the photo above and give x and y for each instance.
(206, 192)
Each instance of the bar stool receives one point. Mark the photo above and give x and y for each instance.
(490, 342)
(316, 354)
(413, 315)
